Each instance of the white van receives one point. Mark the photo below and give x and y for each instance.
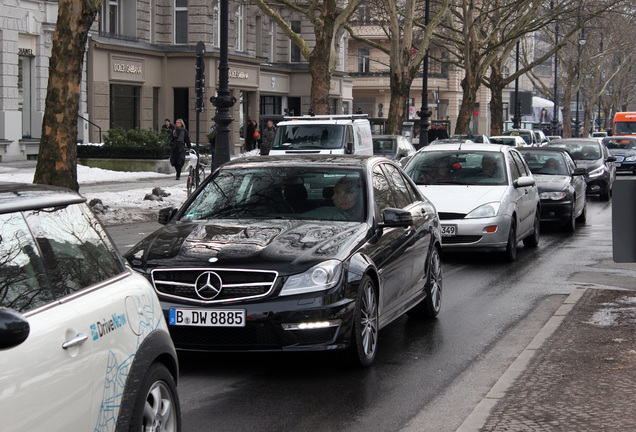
(323, 134)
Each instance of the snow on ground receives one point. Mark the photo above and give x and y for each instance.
(120, 206)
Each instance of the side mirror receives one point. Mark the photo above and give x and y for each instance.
(349, 148)
(14, 328)
(524, 181)
(166, 215)
(396, 218)
(611, 159)
(579, 172)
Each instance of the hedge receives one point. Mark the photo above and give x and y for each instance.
(128, 144)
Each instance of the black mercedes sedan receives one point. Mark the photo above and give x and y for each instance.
(562, 186)
(623, 148)
(295, 253)
(588, 153)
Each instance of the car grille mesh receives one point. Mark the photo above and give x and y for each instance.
(450, 216)
(461, 239)
(235, 284)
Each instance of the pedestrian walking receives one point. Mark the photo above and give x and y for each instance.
(267, 138)
(251, 135)
(180, 140)
(167, 128)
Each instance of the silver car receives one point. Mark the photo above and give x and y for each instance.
(485, 195)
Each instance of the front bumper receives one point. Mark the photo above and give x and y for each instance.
(294, 323)
(597, 186)
(556, 211)
(474, 234)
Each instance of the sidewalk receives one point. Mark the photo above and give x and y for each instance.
(578, 374)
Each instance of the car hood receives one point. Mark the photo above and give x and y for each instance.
(589, 164)
(623, 152)
(461, 199)
(282, 245)
(547, 183)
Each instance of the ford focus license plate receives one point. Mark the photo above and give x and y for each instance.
(207, 317)
(449, 230)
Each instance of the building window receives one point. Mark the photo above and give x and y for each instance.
(271, 105)
(109, 14)
(364, 13)
(272, 41)
(180, 22)
(216, 36)
(124, 106)
(294, 51)
(240, 28)
(363, 59)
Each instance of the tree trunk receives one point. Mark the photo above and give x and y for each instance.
(400, 90)
(467, 108)
(567, 114)
(57, 158)
(496, 102)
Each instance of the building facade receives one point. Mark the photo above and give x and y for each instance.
(140, 69)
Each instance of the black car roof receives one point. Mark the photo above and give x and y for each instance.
(27, 196)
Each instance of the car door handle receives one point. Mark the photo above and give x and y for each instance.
(77, 340)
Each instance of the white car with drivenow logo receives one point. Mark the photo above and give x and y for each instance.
(83, 342)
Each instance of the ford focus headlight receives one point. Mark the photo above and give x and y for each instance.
(596, 172)
(484, 211)
(630, 159)
(320, 277)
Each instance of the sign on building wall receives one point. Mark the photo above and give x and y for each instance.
(127, 69)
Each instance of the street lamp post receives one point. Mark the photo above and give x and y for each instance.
(555, 113)
(600, 82)
(582, 41)
(424, 112)
(516, 119)
(223, 101)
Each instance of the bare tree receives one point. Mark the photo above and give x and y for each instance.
(409, 40)
(57, 159)
(328, 19)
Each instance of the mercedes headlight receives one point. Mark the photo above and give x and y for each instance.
(320, 277)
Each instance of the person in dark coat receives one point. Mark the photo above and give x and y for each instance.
(167, 128)
(267, 137)
(180, 140)
(250, 139)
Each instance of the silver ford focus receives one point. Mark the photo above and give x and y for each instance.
(485, 195)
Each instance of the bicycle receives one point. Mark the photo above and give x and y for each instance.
(194, 177)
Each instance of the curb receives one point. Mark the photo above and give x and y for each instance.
(482, 411)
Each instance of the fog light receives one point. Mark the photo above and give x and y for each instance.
(491, 229)
(311, 325)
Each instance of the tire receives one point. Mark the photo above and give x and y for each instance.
(570, 225)
(583, 216)
(431, 305)
(605, 196)
(533, 240)
(364, 334)
(192, 182)
(511, 246)
(157, 404)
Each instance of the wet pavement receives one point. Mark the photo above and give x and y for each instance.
(578, 374)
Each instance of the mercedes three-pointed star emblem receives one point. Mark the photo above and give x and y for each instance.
(208, 285)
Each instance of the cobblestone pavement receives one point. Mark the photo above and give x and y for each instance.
(582, 377)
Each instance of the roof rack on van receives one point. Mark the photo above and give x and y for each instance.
(329, 117)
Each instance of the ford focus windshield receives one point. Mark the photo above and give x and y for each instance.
(281, 193)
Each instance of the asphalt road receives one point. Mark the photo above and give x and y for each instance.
(429, 375)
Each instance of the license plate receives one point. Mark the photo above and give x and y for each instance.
(449, 230)
(207, 317)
